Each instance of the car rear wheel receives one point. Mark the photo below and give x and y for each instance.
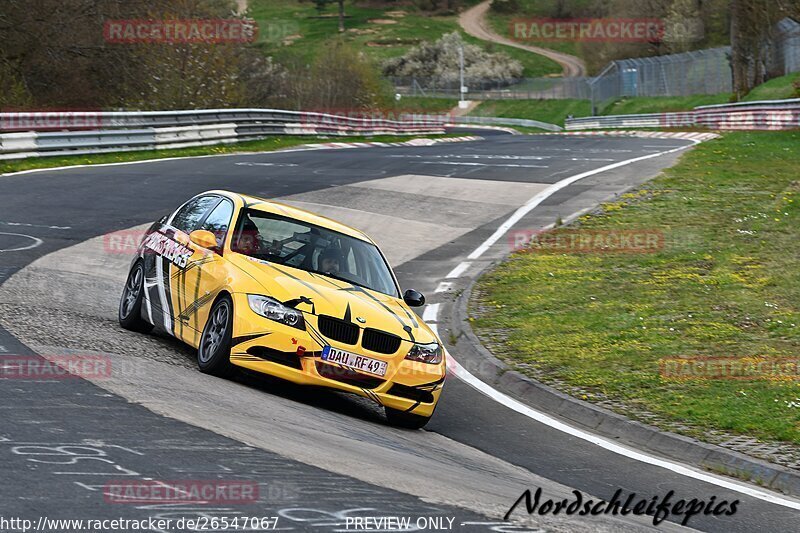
(405, 420)
(130, 305)
(214, 353)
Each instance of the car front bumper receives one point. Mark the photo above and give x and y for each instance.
(271, 348)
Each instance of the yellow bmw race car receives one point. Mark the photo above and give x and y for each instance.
(275, 289)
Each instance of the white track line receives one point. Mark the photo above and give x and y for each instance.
(549, 191)
(543, 418)
(430, 313)
(444, 286)
(678, 468)
(459, 269)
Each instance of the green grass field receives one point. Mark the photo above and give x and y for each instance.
(294, 28)
(551, 111)
(776, 89)
(555, 111)
(725, 284)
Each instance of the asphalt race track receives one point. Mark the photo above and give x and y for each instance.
(318, 456)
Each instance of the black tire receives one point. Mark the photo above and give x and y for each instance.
(401, 419)
(214, 352)
(130, 305)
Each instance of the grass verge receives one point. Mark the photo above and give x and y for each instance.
(555, 111)
(663, 104)
(726, 283)
(264, 145)
(776, 89)
(550, 111)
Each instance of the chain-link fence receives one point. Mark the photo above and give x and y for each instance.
(689, 73)
(786, 57)
(524, 89)
(699, 72)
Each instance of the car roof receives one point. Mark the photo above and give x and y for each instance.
(277, 208)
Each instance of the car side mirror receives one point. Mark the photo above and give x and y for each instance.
(414, 298)
(203, 239)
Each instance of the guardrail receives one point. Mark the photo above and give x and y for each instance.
(498, 121)
(81, 133)
(763, 115)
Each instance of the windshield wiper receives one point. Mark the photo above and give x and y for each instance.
(340, 278)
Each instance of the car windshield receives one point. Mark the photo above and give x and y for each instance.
(312, 248)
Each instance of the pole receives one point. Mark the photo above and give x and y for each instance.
(461, 69)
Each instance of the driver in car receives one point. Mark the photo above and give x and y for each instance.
(330, 261)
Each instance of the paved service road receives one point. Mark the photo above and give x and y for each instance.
(318, 456)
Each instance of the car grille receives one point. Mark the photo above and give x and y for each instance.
(338, 330)
(345, 375)
(378, 341)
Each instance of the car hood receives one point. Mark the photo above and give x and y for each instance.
(321, 295)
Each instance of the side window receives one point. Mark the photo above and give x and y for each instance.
(190, 214)
(219, 220)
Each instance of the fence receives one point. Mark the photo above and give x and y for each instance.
(524, 89)
(767, 115)
(700, 72)
(689, 73)
(786, 56)
(92, 133)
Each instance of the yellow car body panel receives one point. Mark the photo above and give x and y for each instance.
(188, 280)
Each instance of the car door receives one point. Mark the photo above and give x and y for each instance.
(205, 274)
(166, 253)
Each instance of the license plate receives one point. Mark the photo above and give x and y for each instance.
(354, 361)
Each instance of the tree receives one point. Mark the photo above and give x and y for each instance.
(752, 23)
(75, 68)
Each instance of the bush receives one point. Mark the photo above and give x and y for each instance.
(13, 93)
(339, 78)
(439, 63)
(505, 7)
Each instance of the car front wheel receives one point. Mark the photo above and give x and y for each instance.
(214, 353)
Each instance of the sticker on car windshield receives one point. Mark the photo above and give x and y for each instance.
(354, 361)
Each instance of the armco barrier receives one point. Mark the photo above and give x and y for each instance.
(765, 115)
(80, 133)
(496, 121)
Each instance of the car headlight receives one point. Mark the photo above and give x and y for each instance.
(274, 310)
(426, 353)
